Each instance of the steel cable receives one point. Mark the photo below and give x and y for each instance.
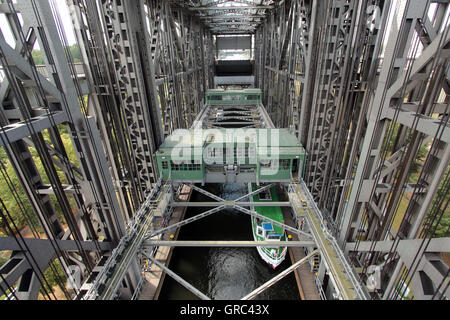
(37, 138)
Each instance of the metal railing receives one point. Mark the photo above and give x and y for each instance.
(327, 244)
(109, 278)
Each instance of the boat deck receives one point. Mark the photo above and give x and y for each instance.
(155, 277)
(273, 213)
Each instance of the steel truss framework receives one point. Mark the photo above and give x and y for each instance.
(149, 243)
(150, 74)
(34, 111)
(146, 67)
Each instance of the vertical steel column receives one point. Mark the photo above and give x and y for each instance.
(46, 103)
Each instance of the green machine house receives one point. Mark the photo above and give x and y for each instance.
(231, 155)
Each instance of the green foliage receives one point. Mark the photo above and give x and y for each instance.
(37, 57)
(442, 229)
(54, 275)
(13, 204)
(3, 258)
(74, 51)
(418, 163)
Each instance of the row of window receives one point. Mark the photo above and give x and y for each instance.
(239, 151)
(284, 164)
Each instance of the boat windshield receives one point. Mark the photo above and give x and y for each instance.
(272, 236)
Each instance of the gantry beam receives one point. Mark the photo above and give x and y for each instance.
(110, 277)
(228, 243)
(232, 16)
(243, 8)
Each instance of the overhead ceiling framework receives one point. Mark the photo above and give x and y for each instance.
(229, 17)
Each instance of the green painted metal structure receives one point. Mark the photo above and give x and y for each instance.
(265, 155)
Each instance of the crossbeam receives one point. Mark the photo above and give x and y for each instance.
(234, 16)
(255, 192)
(111, 275)
(226, 23)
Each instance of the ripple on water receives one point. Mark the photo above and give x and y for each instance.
(223, 273)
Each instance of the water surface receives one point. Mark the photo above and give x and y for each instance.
(223, 273)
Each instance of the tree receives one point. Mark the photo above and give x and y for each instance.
(74, 51)
(17, 202)
(37, 57)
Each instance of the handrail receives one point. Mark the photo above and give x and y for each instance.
(328, 245)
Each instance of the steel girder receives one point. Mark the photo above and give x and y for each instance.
(185, 63)
(31, 94)
(145, 86)
(314, 61)
(280, 53)
(424, 64)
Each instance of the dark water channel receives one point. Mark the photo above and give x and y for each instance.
(223, 273)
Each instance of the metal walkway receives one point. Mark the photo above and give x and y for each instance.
(304, 277)
(111, 275)
(341, 274)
